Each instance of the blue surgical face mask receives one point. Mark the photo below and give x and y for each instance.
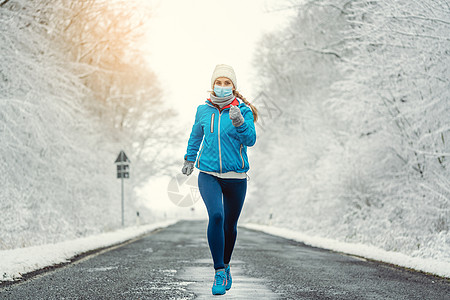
(221, 91)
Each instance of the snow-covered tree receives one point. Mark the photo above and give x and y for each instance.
(74, 91)
(364, 88)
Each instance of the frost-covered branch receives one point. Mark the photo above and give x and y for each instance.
(367, 134)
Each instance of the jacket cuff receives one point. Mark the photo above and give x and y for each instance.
(242, 127)
(189, 158)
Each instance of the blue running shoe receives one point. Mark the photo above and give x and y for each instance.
(220, 282)
(228, 273)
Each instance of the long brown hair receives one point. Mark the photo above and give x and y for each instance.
(252, 107)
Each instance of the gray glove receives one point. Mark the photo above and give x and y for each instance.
(236, 117)
(188, 167)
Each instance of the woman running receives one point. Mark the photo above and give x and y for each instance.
(225, 124)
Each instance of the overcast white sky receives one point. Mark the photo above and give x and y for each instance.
(187, 38)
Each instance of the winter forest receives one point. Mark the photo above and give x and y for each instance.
(74, 91)
(361, 149)
(358, 150)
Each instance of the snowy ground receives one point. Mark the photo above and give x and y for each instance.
(15, 262)
(440, 268)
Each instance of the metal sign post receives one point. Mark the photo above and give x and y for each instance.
(122, 162)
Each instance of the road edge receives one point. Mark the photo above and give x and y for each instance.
(393, 259)
(86, 254)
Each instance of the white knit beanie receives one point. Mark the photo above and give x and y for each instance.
(224, 71)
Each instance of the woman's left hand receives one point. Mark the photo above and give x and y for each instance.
(236, 117)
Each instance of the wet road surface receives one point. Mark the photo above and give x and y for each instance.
(175, 263)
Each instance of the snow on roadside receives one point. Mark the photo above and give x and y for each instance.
(15, 262)
(440, 268)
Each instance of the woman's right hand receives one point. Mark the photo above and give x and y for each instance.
(188, 167)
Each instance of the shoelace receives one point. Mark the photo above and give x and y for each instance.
(220, 278)
(227, 271)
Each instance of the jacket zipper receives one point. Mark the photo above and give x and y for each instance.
(212, 123)
(240, 152)
(218, 133)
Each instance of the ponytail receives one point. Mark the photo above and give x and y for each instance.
(252, 107)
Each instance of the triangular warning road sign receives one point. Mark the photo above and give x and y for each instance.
(122, 158)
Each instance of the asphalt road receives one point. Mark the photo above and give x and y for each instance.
(175, 263)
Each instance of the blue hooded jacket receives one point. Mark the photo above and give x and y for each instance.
(224, 147)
